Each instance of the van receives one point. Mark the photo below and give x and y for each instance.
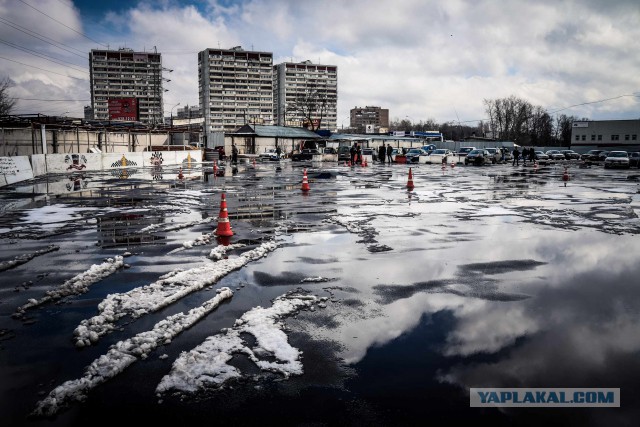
(344, 153)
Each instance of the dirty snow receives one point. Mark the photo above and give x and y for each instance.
(77, 285)
(159, 294)
(220, 251)
(206, 365)
(24, 258)
(124, 353)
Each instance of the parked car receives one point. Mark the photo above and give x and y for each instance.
(477, 157)
(414, 155)
(508, 155)
(270, 154)
(617, 159)
(555, 155)
(570, 154)
(344, 153)
(330, 150)
(595, 155)
(463, 151)
(634, 159)
(306, 154)
(541, 158)
(438, 155)
(370, 152)
(429, 148)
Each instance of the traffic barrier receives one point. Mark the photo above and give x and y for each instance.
(224, 226)
(410, 181)
(305, 182)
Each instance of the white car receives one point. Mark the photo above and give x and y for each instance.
(436, 156)
(270, 154)
(617, 159)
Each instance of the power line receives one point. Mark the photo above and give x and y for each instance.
(42, 37)
(593, 102)
(48, 71)
(44, 56)
(53, 100)
(61, 23)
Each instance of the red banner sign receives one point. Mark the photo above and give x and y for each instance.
(123, 109)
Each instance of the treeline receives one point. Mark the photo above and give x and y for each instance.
(508, 119)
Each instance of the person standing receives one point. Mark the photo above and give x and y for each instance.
(516, 157)
(352, 153)
(382, 153)
(532, 155)
(525, 155)
(359, 153)
(234, 153)
(278, 151)
(389, 151)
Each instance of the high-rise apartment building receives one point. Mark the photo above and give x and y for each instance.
(369, 115)
(118, 76)
(303, 90)
(235, 87)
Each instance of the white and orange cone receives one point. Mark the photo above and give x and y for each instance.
(305, 182)
(180, 175)
(224, 226)
(410, 181)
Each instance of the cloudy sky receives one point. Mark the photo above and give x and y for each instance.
(420, 59)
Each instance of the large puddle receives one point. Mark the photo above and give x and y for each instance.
(355, 303)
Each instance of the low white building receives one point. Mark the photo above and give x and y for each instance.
(606, 134)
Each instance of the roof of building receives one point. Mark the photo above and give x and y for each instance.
(276, 132)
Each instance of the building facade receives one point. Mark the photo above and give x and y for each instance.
(361, 118)
(122, 75)
(235, 88)
(606, 133)
(305, 90)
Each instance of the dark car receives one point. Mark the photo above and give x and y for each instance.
(634, 159)
(306, 154)
(595, 155)
(477, 157)
(463, 151)
(413, 155)
(344, 153)
(570, 154)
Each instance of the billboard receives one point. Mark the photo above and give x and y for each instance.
(123, 109)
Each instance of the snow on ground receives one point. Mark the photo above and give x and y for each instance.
(206, 365)
(159, 294)
(24, 258)
(124, 353)
(173, 227)
(76, 285)
(220, 251)
(54, 216)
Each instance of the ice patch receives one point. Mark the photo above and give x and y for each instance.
(206, 365)
(159, 294)
(318, 279)
(76, 285)
(173, 227)
(122, 354)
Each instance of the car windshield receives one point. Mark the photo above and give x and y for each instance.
(475, 152)
(414, 151)
(466, 150)
(540, 152)
(618, 154)
(492, 150)
(440, 152)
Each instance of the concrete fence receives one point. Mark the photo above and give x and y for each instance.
(21, 168)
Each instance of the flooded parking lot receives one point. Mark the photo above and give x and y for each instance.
(358, 302)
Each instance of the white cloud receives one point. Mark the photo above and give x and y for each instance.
(420, 59)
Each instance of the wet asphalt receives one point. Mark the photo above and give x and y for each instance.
(488, 276)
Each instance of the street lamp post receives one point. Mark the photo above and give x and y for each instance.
(171, 132)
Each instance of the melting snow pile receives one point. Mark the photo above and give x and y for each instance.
(160, 294)
(123, 354)
(173, 227)
(220, 251)
(24, 258)
(78, 284)
(206, 365)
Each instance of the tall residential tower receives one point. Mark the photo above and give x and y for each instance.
(235, 87)
(305, 91)
(126, 85)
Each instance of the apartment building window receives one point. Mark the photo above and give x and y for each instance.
(599, 137)
(577, 137)
(584, 137)
(626, 137)
(615, 137)
(634, 137)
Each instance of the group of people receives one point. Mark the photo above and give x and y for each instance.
(527, 153)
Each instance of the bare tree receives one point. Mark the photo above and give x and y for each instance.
(310, 105)
(6, 102)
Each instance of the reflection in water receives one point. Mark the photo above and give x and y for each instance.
(119, 229)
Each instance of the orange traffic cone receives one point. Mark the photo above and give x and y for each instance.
(305, 182)
(180, 175)
(444, 167)
(224, 226)
(453, 164)
(410, 181)
(254, 162)
(565, 176)
(215, 169)
(365, 163)
(535, 166)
